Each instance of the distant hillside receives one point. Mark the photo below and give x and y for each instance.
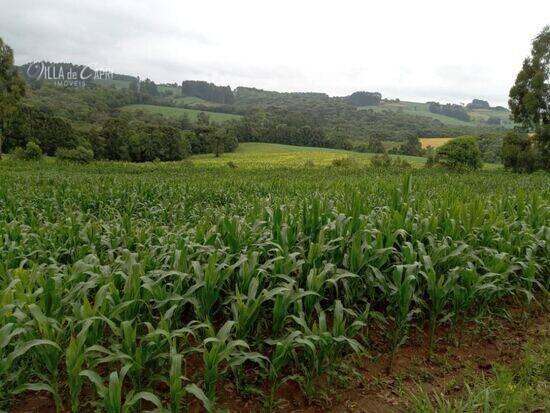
(363, 121)
(478, 116)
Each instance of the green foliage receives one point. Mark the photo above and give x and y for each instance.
(460, 153)
(412, 147)
(78, 154)
(50, 132)
(529, 99)
(364, 98)
(529, 95)
(449, 109)
(31, 152)
(490, 146)
(207, 91)
(478, 104)
(139, 142)
(518, 152)
(12, 89)
(381, 161)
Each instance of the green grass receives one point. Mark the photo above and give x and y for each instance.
(272, 155)
(522, 388)
(193, 100)
(178, 112)
(276, 155)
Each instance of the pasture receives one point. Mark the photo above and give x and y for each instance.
(174, 112)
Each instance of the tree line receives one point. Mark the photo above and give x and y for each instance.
(450, 109)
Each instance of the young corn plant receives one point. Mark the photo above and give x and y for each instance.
(210, 281)
(246, 309)
(49, 356)
(111, 398)
(220, 353)
(75, 357)
(10, 380)
(282, 355)
(322, 347)
(178, 390)
(438, 292)
(400, 292)
(284, 298)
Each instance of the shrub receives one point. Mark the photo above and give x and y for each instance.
(79, 154)
(401, 163)
(381, 161)
(344, 162)
(17, 153)
(31, 152)
(460, 153)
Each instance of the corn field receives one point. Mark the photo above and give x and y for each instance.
(129, 288)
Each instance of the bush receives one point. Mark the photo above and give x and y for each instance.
(343, 162)
(460, 154)
(401, 163)
(79, 154)
(381, 161)
(31, 152)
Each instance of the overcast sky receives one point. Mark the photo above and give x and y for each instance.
(415, 50)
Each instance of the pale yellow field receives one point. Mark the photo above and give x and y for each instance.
(433, 142)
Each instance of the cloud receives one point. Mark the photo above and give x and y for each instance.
(424, 50)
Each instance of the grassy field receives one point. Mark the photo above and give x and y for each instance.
(433, 142)
(269, 155)
(196, 286)
(193, 100)
(422, 109)
(178, 112)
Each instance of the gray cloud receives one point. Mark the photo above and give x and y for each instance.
(405, 50)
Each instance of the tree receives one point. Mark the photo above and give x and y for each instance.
(478, 104)
(217, 142)
(460, 153)
(518, 152)
(412, 147)
(530, 95)
(183, 122)
(12, 88)
(530, 99)
(364, 98)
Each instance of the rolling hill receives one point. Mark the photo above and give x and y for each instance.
(478, 116)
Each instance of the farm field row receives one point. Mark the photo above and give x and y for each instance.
(259, 284)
